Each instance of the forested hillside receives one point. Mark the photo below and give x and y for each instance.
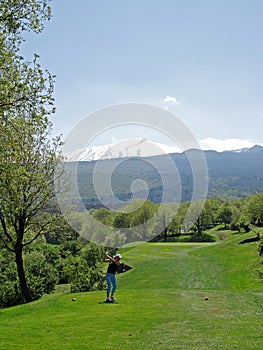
(231, 174)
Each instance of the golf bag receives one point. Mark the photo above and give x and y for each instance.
(123, 268)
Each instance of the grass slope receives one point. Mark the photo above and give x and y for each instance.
(160, 304)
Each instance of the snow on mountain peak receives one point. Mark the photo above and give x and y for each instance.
(141, 147)
(136, 147)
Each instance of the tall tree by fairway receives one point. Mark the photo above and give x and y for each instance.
(28, 156)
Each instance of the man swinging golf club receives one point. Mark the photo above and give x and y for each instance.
(111, 275)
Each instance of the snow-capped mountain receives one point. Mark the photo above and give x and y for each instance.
(231, 174)
(136, 147)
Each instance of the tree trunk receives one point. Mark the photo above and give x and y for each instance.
(199, 227)
(165, 229)
(21, 275)
(144, 231)
(165, 235)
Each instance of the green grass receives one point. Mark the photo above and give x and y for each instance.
(160, 304)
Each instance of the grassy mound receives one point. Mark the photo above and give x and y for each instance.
(161, 304)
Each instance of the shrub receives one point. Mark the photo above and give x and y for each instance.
(204, 237)
(42, 277)
(92, 254)
(10, 293)
(86, 279)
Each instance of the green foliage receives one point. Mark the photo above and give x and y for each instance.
(103, 215)
(61, 231)
(46, 265)
(42, 277)
(85, 271)
(28, 155)
(142, 220)
(17, 16)
(72, 247)
(10, 293)
(92, 254)
(225, 213)
(254, 205)
(204, 237)
(85, 279)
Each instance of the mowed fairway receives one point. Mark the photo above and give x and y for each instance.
(160, 304)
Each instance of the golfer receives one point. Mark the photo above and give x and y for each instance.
(111, 275)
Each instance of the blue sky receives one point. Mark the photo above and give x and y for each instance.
(201, 60)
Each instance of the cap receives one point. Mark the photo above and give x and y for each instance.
(118, 256)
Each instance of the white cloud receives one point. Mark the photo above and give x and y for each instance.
(170, 99)
(230, 144)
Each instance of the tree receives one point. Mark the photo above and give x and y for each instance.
(42, 276)
(85, 270)
(254, 205)
(166, 220)
(225, 213)
(141, 218)
(16, 17)
(28, 156)
(104, 215)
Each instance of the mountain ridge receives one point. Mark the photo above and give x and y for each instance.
(136, 147)
(231, 174)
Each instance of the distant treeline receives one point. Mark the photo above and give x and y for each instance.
(144, 221)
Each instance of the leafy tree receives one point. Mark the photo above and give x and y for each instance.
(193, 218)
(108, 237)
(209, 212)
(9, 287)
(243, 223)
(85, 271)
(61, 232)
(122, 220)
(115, 239)
(92, 254)
(104, 215)
(41, 275)
(86, 279)
(178, 220)
(238, 214)
(166, 220)
(199, 216)
(28, 156)
(16, 17)
(254, 205)
(141, 218)
(225, 213)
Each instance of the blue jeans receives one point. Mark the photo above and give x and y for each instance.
(111, 281)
